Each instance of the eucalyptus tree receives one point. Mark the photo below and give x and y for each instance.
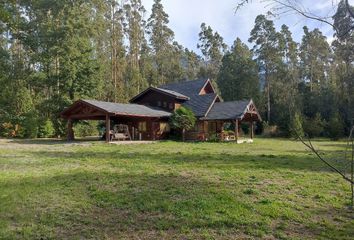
(268, 55)
(213, 48)
(238, 75)
(161, 41)
(344, 57)
(314, 58)
(193, 64)
(134, 29)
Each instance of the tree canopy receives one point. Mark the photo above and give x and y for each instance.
(55, 52)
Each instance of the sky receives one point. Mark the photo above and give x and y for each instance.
(186, 17)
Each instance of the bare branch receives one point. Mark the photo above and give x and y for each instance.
(309, 145)
(279, 7)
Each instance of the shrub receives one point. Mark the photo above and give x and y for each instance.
(7, 129)
(270, 131)
(314, 127)
(295, 127)
(46, 129)
(183, 119)
(29, 126)
(86, 128)
(335, 127)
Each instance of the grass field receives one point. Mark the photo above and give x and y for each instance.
(271, 189)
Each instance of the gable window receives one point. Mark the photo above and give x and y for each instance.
(142, 127)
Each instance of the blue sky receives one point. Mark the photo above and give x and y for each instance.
(187, 15)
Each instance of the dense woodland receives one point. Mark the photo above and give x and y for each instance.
(55, 52)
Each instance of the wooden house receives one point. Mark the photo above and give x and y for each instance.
(146, 116)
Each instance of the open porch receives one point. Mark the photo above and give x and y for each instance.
(224, 121)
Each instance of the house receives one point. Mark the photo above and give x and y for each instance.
(146, 116)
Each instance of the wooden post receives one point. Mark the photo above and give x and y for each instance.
(70, 131)
(108, 128)
(251, 129)
(133, 133)
(236, 130)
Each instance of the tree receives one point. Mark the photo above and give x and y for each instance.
(343, 46)
(193, 64)
(314, 58)
(267, 52)
(238, 75)
(314, 127)
(182, 119)
(135, 28)
(161, 40)
(212, 47)
(296, 126)
(286, 100)
(335, 128)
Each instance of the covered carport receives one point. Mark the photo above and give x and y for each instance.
(131, 115)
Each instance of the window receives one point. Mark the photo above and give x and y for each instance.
(164, 127)
(170, 105)
(159, 103)
(165, 104)
(142, 127)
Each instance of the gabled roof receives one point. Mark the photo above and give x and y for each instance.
(188, 88)
(230, 110)
(200, 104)
(122, 109)
(164, 91)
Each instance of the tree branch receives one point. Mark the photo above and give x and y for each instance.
(292, 6)
(312, 148)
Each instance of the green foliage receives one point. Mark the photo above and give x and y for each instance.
(335, 128)
(212, 47)
(182, 119)
(314, 127)
(86, 128)
(296, 129)
(46, 129)
(29, 125)
(55, 52)
(238, 76)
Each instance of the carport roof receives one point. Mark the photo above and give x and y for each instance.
(115, 109)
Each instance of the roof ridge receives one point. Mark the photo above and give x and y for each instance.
(186, 81)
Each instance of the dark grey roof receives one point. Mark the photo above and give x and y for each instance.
(166, 91)
(227, 110)
(176, 94)
(187, 88)
(128, 109)
(200, 104)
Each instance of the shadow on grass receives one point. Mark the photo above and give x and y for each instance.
(98, 204)
(54, 141)
(85, 204)
(119, 158)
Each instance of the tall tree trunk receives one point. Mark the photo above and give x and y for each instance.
(268, 96)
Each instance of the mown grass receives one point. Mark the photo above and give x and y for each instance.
(271, 189)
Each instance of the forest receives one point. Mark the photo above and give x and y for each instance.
(55, 52)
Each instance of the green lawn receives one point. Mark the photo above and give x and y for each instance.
(272, 189)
